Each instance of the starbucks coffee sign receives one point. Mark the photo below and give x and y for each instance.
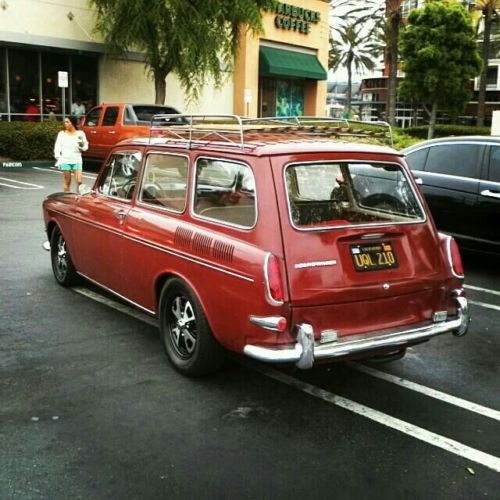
(293, 18)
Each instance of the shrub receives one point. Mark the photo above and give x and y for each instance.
(446, 130)
(28, 141)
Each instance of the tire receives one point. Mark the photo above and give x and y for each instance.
(386, 358)
(62, 265)
(186, 335)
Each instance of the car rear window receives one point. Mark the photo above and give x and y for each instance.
(334, 194)
(145, 113)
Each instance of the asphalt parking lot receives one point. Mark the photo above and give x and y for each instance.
(90, 408)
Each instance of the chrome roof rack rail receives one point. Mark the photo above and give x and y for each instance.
(231, 130)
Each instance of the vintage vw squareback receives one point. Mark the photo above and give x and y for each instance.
(272, 239)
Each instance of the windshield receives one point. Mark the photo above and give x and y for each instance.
(324, 194)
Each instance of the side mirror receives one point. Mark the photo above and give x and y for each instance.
(83, 189)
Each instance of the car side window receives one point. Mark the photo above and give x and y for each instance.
(494, 167)
(110, 116)
(92, 119)
(225, 192)
(416, 159)
(463, 160)
(120, 175)
(164, 182)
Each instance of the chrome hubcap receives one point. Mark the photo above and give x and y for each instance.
(183, 326)
(61, 256)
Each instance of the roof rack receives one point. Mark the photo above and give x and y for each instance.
(243, 132)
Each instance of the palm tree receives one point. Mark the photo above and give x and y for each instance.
(488, 11)
(385, 19)
(353, 51)
(391, 30)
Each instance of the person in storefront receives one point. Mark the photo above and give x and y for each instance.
(78, 108)
(68, 149)
(31, 111)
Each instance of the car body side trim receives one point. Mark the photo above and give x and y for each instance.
(135, 304)
(163, 249)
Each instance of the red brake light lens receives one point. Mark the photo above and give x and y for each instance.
(455, 258)
(273, 279)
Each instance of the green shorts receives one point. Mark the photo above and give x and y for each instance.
(71, 166)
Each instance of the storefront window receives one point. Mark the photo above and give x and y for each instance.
(84, 80)
(51, 92)
(281, 97)
(25, 67)
(24, 85)
(289, 98)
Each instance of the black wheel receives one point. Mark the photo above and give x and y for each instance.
(188, 341)
(62, 265)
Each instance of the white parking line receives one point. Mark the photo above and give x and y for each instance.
(427, 391)
(57, 171)
(450, 445)
(414, 431)
(484, 304)
(479, 289)
(21, 185)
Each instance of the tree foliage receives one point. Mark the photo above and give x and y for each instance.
(488, 11)
(439, 57)
(195, 39)
(353, 44)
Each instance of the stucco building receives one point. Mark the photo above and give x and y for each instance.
(282, 71)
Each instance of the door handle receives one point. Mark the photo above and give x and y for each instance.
(93, 131)
(419, 181)
(113, 132)
(490, 194)
(120, 214)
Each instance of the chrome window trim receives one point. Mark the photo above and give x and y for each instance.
(451, 143)
(355, 226)
(196, 216)
(144, 204)
(449, 176)
(98, 178)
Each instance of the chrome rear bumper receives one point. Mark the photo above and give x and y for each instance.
(305, 351)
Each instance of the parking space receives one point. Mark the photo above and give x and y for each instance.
(91, 408)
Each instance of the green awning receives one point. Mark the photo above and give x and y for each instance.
(279, 62)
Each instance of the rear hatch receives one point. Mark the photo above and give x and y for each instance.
(359, 249)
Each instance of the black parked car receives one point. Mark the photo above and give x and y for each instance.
(460, 179)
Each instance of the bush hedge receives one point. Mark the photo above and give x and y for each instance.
(445, 130)
(27, 140)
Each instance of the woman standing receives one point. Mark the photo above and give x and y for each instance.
(69, 144)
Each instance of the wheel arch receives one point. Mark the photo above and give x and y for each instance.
(163, 278)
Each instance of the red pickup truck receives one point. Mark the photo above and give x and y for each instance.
(109, 123)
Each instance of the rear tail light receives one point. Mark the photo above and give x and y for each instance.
(274, 283)
(454, 258)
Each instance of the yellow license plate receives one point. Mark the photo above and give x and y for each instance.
(373, 256)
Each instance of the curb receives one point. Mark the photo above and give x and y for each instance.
(26, 164)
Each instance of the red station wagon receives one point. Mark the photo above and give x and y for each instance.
(272, 239)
